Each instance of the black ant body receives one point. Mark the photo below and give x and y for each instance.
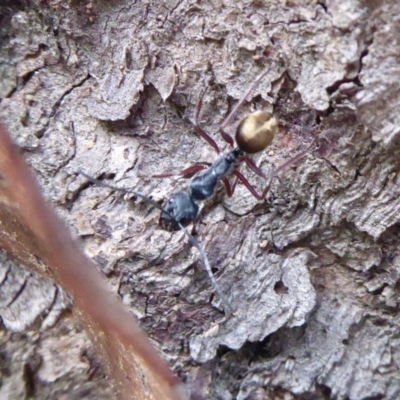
(254, 134)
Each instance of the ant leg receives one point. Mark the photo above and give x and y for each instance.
(198, 128)
(235, 182)
(274, 174)
(251, 164)
(294, 159)
(228, 138)
(229, 188)
(187, 171)
(266, 190)
(287, 164)
(248, 185)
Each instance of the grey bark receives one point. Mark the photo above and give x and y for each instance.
(111, 88)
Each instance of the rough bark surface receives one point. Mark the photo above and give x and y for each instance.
(111, 88)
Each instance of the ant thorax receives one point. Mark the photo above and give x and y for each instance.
(204, 183)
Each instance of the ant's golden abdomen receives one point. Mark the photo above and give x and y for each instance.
(256, 131)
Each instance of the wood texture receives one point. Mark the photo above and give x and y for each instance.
(111, 88)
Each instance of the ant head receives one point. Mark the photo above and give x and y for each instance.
(179, 209)
(256, 131)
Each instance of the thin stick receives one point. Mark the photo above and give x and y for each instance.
(192, 240)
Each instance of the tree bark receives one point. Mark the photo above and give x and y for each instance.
(111, 88)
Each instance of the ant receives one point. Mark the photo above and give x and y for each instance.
(253, 134)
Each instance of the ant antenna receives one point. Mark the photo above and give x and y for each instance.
(192, 240)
